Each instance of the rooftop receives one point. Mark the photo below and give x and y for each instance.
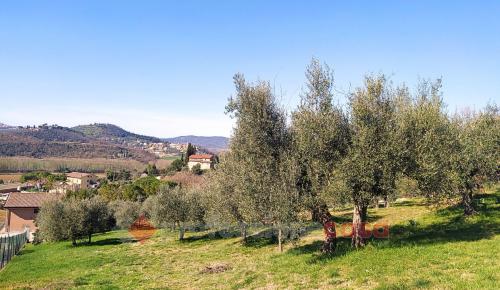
(78, 174)
(28, 199)
(201, 156)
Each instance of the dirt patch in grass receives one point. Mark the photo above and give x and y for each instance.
(215, 268)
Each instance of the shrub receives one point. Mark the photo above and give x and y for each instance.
(197, 169)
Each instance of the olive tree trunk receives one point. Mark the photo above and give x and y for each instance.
(181, 232)
(243, 231)
(467, 203)
(357, 226)
(280, 239)
(322, 215)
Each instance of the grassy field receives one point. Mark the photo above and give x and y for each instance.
(427, 249)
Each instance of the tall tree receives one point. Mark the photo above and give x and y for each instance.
(259, 139)
(368, 170)
(430, 142)
(320, 135)
(478, 154)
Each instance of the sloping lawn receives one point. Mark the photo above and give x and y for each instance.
(426, 249)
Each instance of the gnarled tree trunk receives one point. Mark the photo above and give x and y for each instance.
(467, 203)
(358, 226)
(322, 215)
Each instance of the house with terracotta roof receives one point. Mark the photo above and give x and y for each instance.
(22, 208)
(206, 161)
(79, 180)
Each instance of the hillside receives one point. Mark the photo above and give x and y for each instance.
(113, 133)
(212, 143)
(426, 249)
(57, 141)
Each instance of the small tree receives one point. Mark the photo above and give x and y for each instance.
(176, 165)
(50, 222)
(125, 213)
(97, 217)
(177, 207)
(73, 219)
(285, 200)
(224, 201)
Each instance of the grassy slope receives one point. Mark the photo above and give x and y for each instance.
(440, 250)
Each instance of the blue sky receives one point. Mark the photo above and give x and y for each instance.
(165, 68)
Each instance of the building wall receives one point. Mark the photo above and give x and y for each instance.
(203, 165)
(83, 182)
(19, 218)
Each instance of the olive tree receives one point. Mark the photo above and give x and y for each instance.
(73, 219)
(320, 135)
(224, 200)
(125, 212)
(368, 170)
(259, 140)
(430, 142)
(176, 207)
(476, 159)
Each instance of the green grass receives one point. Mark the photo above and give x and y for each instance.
(426, 249)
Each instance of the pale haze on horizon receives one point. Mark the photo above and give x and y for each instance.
(165, 68)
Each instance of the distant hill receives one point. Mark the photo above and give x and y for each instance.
(57, 141)
(6, 127)
(113, 133)
(212, 143)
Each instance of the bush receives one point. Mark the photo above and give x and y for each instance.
(1, 181)
(197, 169)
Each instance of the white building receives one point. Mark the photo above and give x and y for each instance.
(206, 161)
